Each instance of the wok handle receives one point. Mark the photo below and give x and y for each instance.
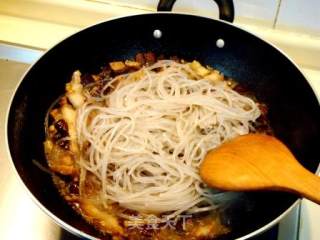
(226, 8)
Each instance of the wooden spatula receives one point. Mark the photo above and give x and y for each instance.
(258, 162)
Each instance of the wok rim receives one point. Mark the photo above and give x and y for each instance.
(75, 230)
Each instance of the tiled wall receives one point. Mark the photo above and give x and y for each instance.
(260, 10)
(296, 15)
(300, 15)
(50, 21)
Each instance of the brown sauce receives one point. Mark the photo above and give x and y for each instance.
(62, 158)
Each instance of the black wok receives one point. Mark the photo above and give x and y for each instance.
(275, 79)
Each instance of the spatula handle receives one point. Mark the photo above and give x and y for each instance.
(305, 183)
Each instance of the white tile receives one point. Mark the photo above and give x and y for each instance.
(300, 15)
(256, 9)
(19, 54)
(253, 10)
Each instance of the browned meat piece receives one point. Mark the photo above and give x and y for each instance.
(215, 77)
(140, 59)
(150, 58)
(101, 218)
(199, 69)
(117, 67)
(52, 130)
(55, 114)
(60, 160)
(133, 64)
(74, 90)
